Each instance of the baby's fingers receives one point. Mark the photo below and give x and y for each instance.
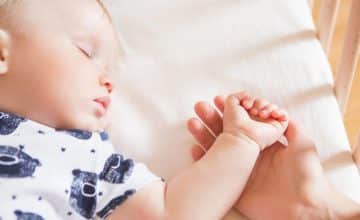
(231, 102)
(248, 102)
(258, 105)
(280, 114)
(243, 98)
(267, 110)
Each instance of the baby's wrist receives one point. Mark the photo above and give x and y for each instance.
(239, 139)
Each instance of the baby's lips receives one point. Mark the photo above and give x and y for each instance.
(104, 101)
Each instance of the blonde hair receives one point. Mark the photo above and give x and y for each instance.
(105, 10)
(6, 5)
(3, 2)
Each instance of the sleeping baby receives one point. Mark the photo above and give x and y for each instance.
(56, 160)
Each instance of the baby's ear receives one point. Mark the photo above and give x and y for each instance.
(4, 52)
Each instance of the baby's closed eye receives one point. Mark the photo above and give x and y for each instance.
(85, 48)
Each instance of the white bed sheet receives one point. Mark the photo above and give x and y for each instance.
(182, 51)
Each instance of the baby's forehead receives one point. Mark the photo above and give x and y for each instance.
(19, 11)
(56, 11)
(87, 17)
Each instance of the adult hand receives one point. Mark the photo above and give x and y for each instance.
(286, 182)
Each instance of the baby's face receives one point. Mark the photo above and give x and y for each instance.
(60, 64)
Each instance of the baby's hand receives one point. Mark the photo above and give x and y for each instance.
(258, 119)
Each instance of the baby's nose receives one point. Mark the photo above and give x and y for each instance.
(107, 83)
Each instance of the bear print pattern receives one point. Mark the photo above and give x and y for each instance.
(27, 215)
(83, 194)
(79, 134)
(104, 136)
(116, 169)
(15, 163)
(108, 209)
(9, 123)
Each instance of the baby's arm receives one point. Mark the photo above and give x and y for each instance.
(205, 190)
(208, 188)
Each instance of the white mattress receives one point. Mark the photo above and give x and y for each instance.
(182, 51)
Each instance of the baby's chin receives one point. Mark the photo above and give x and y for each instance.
(100, 125)
(97, 126)
(91, 124)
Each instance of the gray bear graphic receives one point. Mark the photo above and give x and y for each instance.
(9, 123)
(83, 194)
(15, 163)
(27, 215)
(116, 169)
(79, 134)
(107, 210)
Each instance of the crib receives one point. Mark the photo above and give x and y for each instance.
(350, 53)
(182, 51)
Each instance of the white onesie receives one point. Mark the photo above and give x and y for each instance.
(62, 174)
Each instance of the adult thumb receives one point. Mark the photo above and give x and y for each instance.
(293, 132)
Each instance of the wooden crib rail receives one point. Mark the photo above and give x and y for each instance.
(350, 53)
(346, 68)
(349, 57)
(356, 152)
(326, 22)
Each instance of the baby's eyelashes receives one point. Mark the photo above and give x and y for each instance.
(85, 48)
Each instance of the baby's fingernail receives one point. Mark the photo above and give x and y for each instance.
(284, 117)
(283, 141)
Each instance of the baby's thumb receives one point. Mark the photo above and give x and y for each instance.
(231, 102)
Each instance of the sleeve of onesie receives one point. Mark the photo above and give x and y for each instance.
(120, 178)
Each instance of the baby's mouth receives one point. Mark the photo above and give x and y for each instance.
(104, 102)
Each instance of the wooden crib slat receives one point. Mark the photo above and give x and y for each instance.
(311, 3)
(326, 22)
(349, 57)
(356, 152)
